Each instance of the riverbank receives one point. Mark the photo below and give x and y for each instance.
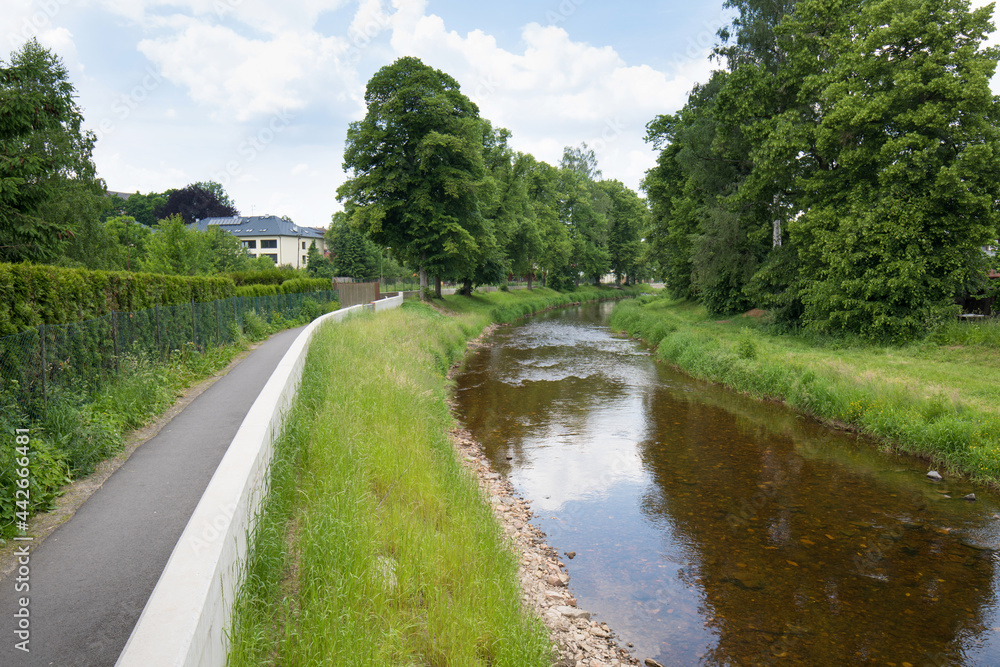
(376, 546)
(938, 399)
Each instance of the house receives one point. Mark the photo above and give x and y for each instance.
(270, 236)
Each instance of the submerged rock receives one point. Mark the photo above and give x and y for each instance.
(971, 497)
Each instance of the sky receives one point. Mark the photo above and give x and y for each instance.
(258, 95)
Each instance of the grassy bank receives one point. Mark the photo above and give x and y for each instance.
(84, 427)
(375, 546)
(939, 398)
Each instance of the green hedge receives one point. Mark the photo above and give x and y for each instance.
(32, 294)
(294, 286)
(275, 276)
(297, 285)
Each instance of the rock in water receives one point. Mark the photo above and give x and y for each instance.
(970, 497)
(935, 476)
(652, 663)
(571, 555)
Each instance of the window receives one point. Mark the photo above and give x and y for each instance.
(303, 245)
(305, 260)
(250, 245)
(252, 256)
(272, 257)
(273, 244)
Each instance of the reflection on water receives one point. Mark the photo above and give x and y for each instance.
(711, 529)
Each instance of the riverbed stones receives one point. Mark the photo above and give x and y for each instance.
(971, 497)
(576, 640)
(935, 476)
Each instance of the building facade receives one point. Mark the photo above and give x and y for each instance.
(269, 236)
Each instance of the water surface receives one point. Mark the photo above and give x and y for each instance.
(711, 529)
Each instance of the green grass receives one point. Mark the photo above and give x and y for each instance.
(376, 547)
(939, 398)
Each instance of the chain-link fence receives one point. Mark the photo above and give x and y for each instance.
(35, 364)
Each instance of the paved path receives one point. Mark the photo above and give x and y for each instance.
(91, 577)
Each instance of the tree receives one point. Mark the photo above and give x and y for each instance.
(543, 192)
(318, 266)
(626, 220)
(416, 165)
(44, 153)
(352, 255)
(128, 241)
(902, 192)
(195, 203)
(583, 208)
(143, 208)
(176, 249)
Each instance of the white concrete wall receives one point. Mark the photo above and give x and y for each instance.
(186, 618)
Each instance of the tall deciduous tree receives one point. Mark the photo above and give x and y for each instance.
(626, 220)
(196, 202)
(416, 165)
(904, 190)
(44, 153)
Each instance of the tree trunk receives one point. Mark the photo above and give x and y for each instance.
(423, 284)
(437, 287)
(776, 231)
(467, 288)
(530, 276)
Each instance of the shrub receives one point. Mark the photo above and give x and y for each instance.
(31, 295)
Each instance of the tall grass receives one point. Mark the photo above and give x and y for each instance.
(395, 557)
(862, 389)
(376, 547)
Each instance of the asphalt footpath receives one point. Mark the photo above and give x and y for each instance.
(90, 579)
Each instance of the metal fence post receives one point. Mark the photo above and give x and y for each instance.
(218, 323)
(41, 339)
(159, 348)
(194, 325)
(114, 338)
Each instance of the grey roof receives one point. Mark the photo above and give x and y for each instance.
(260, 225)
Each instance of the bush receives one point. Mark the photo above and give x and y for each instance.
(275, 275)
(257, 290)
(254, 326)
(31, 295)
(746, 345)
(299, 285)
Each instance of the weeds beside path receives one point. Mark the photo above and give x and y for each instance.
(939, 398)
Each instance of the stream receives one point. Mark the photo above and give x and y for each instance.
(713, 529)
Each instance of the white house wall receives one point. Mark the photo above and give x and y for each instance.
(289, 250)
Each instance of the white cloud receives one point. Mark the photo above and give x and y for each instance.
(264, 16)
(557, 92)
(246, 77)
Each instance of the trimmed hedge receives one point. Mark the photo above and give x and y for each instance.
(294, 286)
(297, 285)
(275, 276)
(34, 294)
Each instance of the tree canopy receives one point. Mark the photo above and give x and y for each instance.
(440, 186)
(839, 171)
(45, 157)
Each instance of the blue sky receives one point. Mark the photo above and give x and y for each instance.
(258, 96)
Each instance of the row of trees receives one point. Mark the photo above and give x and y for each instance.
(840, 170)
(440, 186)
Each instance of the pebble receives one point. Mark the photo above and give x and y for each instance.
(935, 476)
(544, 582)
